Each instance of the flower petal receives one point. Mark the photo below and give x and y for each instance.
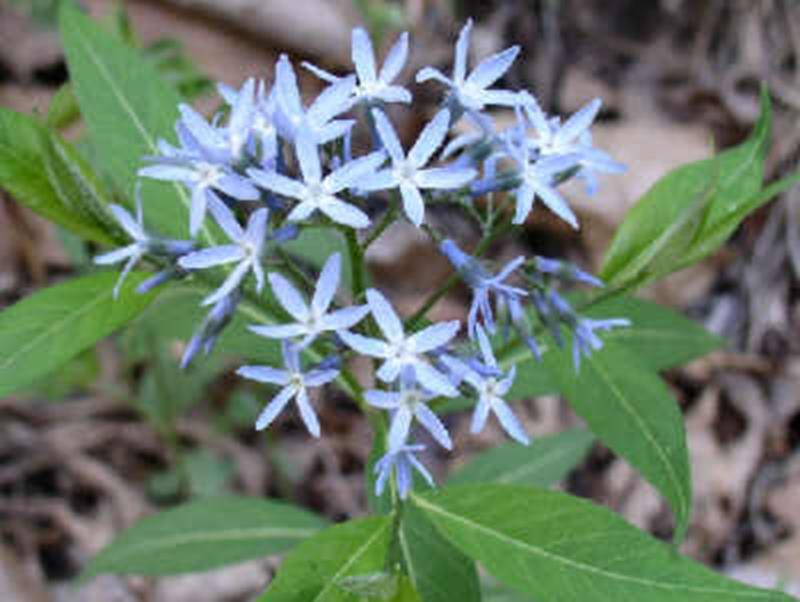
(492, 68)
(226, 220)
(388, 136)
(398, 430)
(395, 59)
(307, 413)
(433, 425)
(213, 256)
(365, 345)
(289, 297)
(446, 178)
(434, 380)
(430, 139)
(274, 407)
(308, 156)
(275, 182)
(461, 53)
(385, 400)
(363, 55)
(413, 205)
(264, 374)
(385, 316)
(344, 213)
(509, 422)
(434, 336)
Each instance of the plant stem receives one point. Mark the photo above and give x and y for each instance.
(357, 264)
(386, 221)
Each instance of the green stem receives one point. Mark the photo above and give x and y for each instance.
(386, 221)
(357, 264)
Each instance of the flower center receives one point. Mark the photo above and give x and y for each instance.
(207, 174)
(405, 171)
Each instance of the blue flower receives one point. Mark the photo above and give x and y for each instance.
(401, 352)
(246, 250)
(572, 137)
(538, 179)
(372, 86)
(585, 340)
(292, 116)
(295, 384)
(471, 91)
(407, 172)
(565, 271)
(400, 460)
(482, 283)
(201, 165)
(312, 319)
(406, 404)
(491, 384)
(131, 253)
(252, 119)
(205, 337)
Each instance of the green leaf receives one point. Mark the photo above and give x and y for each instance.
(559, 548)
(127, 109)
(438, 571)
(659, 337)
(205, 534)
(37, 166)
(315, 570)
(316, 245)
(630, 409)
(49, 327)
(544, 462)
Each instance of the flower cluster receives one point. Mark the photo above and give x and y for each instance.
(270, 165)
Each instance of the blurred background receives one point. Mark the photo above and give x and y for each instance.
(120, 431)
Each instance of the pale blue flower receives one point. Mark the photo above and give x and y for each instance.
(205, 337)
(482, 283)
(471, 92)
(585, 340)
(131, 253)
(402, 352)
(373, 86)
(314, 318)
(295, 385)
(492, 385)
(537, 178)
(572, 137)
(246, 248)
(400, 460)
(201, 165)
(408, 403)
(408, 172)
(316, 193)
(252, 118)
(319, 118)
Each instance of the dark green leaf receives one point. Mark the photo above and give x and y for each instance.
(544, 462)
(205, 534)
(438, 571)
(555, 547)
(49, 327)
(630, 409)
(314, 571)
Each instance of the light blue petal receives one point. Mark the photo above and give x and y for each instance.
(446, 178)
(385, 316)
(317, 378)
(283, 331)
(344, 213)
(302, 211)
(420, 468)
(333, 101)
(525, 197)
(117, 255)
(351, 173)
(264, 374)
(398, 431)
(320, 73)
(492, 68)
(433, 425)
(428, 73)
(389, 371)
(557, 204)
(434, 336)
(237, 187)
(256, 231)
(199, 127)
(233, 280)
(385, 400)
(308, 156)
(392, 94)
(461, 53)
(503, 98)
(275, 182)
(486, 348)
(413, 205)
(286, 89)
(333, 130)
(504, 386)
(345, 318)
(479, 416)
(434, 380)
(307, 413)
(365, 345)
(169, 173)
(402, 472)
(381, 180)
(226, 220)
(125, 219)
(125, 271)
(509, 422)
(197, 210)
(363, 56)
(395, 59)
(327, 284)
(579, 122)
(430, 139)
(274, 407)
(212, 256)
(289, 297)
(388, 136)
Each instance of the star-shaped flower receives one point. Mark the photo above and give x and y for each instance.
(400, 351)
(408, 172)
(133, 252)
(406, 404)
(491, 385)
(295, 385)
(472, 91)
(402, 461)
(292, 116)
(372, 86)
(246, 250)
(312, 319)
(316, 193)
(252, 119)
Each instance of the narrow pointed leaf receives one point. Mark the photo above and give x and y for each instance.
(544, 462)
(206, 534)
(315, 570)
(559, 548)
(50, 326)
